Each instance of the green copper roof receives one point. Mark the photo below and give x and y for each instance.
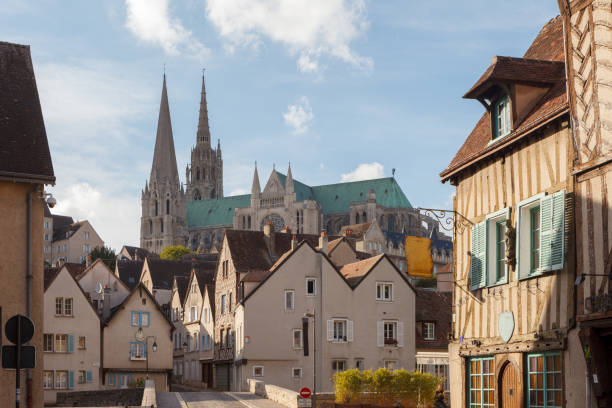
(220, 211)
(333, 198)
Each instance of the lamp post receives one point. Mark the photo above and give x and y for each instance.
(314, 358)
(153, 347)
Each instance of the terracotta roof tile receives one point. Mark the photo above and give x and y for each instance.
(548, 45)
(331, 245)
(357, 230)
(355, 271)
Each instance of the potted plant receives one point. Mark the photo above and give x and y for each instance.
(391, 342)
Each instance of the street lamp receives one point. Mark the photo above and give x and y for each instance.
(154, 348)
(314, 358)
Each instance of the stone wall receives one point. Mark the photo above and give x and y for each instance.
(281, 395)
(101, 398)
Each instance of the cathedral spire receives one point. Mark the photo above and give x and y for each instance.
(203, 135)
(255, 189)
(289, 181)
(164, 158)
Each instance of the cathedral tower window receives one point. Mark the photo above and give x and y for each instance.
(167, 206)
(364, 217)
(156, 209)
(150, 227)
(161, 225)
(357, 218)
(197, 173)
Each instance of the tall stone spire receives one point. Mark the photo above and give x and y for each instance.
(203, 135)
(255, 188)
(289, 181)
(164, 158)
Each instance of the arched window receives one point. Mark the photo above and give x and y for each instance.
(357, 218)
(197, 195)
(390, 223)
(243, 222)
(197, 173)
(150, 227)
(156, 209)
(364, 217)
(249, 221)
(161, 225)
(167, 206)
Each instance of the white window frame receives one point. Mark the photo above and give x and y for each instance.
(57, 378)
(301, 342)
(314, 282)
(293, 371)
(491, 248)
(343, 338)
(45, 337)
(58, 337)
(255, 368)
(393, 363)
(287, 292)
(336, 362)
(46, 375)
(523, 256)
(68, 310)
(359, 363)
(382, 297)
(426, 331)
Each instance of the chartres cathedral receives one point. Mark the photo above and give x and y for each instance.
(197, 216)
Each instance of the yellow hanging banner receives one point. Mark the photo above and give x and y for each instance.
(418, 257)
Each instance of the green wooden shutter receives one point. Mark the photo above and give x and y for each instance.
(71, 380)
(88, 376)
(546, 232)
(478, 265)
(70, 343)
(558, 231)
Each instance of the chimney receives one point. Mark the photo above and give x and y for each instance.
(106, 303)
(323, 241)
(269, 238)
(293, 242)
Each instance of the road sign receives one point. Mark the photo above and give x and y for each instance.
(25, 326)
(304, 402)
(27, 357)
(305, 392)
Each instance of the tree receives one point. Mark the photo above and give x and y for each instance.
(174, 252)
(106, 254)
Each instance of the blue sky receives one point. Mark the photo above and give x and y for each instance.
(342, 89)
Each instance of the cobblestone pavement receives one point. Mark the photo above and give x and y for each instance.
(213, 400)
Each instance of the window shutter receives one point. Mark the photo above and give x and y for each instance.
(380, 337)
(400, 334)
(558, 231)
(70, 343)
(349, 330)
(479, 258)
(70, 380)
(330, 330)
(546, 227)
(88, 376)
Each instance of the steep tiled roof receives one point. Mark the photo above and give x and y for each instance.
(75, 269)
(24, 151)
(548, 45)
(129, 272)
(357, 230)
(432, 306)
(333, 198)
(355, 271)
(182, 283)
(140, 253)
(64, 227)
(256, 276)
(163, 272)
(333, 244)
(205, 276)
(49, 275)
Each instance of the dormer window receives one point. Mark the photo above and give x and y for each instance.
(501, 116)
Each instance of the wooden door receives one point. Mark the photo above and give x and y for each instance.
(510, 396)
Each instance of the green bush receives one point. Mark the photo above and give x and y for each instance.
(386, 388)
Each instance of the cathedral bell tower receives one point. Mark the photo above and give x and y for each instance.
(163, 198)
(205, 175)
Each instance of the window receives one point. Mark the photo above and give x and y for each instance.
(390, 364)
(229, 303)
(488, 251)
(85, 248)
(48, 343)
(161, 225)
(206, 315)
(481, 385)
(48, 380)
(429, 331)
(167, 206)
(311, 286)
(297, 339)
(258, 371)
(140, 319)
(46, 224)
(500, 251)
(338, 365)
(221, 333)
(68, 307)
(439, 370)
(193, 314)
(59, 306)
(359, 363)
(384, 291)
(540, 234)
(86, 235)
(111, 380)
(502, 117)
(339, 330)
(222, 304)
(156, 208)
(61, 380)
(81, 377)
(297, 372)
(544, 388)
(389, 332)
(137, 351)
(289, 298)
(61, 343)
(228, 338)
(82, 345)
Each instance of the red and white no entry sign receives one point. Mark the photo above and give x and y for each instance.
(305, 392)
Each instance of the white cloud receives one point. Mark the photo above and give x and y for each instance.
(365, 171)
(150, 20)
(239, 191)
(310, 28)
(299, 116)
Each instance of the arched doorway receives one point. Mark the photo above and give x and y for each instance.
(509, 387)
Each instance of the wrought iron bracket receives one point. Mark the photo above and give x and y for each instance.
(447, 219)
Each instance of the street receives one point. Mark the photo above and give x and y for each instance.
(213, 400)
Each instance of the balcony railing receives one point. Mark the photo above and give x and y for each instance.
(224, 351)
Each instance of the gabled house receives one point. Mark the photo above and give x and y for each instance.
(72, 241)
(100, 283)
(363, 318)
(179, 292)
(132, 253)
(137, 342)
(72, 335)
(129, 271)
